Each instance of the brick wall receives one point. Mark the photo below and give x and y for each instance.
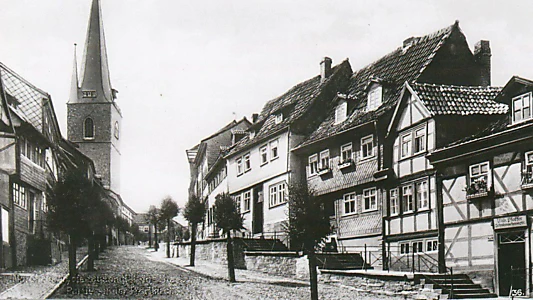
(281, 265)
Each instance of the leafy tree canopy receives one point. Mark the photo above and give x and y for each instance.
(227, 214)
(169, 208)
(195, 209)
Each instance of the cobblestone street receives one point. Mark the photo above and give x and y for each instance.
(125, 272)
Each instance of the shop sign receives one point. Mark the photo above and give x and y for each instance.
(509, 222)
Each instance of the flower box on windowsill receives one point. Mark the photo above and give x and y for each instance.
(478, 193)
(345, 164)
(323, 171)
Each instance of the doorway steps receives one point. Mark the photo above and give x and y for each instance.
(263, 245)
(463, 286)
(341, 261)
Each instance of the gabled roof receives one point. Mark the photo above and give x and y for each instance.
(459, 100)
(293, 104)
(29, 98)
(405, 64)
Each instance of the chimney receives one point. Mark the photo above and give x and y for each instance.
(325, 68)
(482, 56)
(254, 117)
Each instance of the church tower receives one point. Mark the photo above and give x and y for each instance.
(93, 116)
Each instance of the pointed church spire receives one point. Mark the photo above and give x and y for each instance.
(95, 69)
(74, 81)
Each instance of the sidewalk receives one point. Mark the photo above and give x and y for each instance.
(219, 271)
(40, 281)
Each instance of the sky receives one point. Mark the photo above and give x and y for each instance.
(184, 69)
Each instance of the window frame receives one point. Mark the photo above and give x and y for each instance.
(238, 199)
(263, 154)
(415, 139)
(352, 203)
(278, 197)
(247, 162)
(514, 110)
(371, 195)
(240, 166)
(246, 201)
(396, 203)
(374, 103)
(412, 199)
(117, 134)
(409, 143)
(342, 106)
(324, 156)
(348, 147)
(419, 207)
(488, 174)
(278, 118)
(273, 149)
(85, 136)
(364, 142)
(312, 159)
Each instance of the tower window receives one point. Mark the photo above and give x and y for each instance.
(89, 94)
(88, 129)
(116, 130)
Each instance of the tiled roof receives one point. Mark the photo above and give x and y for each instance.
(459, 100)
(29, 97)
(394, 69)
(293, 104)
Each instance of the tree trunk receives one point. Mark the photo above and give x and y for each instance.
(193, 243)
(149, 236)
(313, 275)
(231, 263)
(168, 238)
(110, 237)
(156, 241)
(72, 258)
(91, 250)
(97, 248)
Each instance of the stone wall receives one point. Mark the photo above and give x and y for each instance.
(215, 251)
(279, 264)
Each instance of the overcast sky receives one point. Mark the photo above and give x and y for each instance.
(184, 69)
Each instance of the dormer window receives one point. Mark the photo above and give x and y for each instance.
(522, 108)
(251, 134)
(375, 96)
(340, 112)
(279, 118)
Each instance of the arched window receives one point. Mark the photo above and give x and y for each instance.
(88, 129)
(116, 130)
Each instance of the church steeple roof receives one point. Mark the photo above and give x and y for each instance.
(95, 69)
(74, 87)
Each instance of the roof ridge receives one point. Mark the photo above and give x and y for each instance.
(458, 86)
(19, 77)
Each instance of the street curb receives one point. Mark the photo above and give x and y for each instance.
(60, 284)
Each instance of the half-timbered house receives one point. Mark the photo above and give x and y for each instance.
(486, 194)
(348, 157)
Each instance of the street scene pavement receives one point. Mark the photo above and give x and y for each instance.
(136, 272)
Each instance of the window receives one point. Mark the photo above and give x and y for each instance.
(277, 194)
(44, 205)
(367, 147)
(273, 150)
(479, 178)
(313, 164)
(237, 200)
(406, 145)
(88, 129)
(247, 163)
(374, 98)
(324, 160)
(239, 166)
(527, 175)
(340, 112)
(422, 194)
(346, 153)
(432, 245)
(418, 246)
(404, 248)
(349, 203)
(420, 140)
(264, 154)
(116, 130)
(369, 200)
(19, 195)
(394, 205)
(246, 201)
(407, 198)
(22, 146)
(522, 108)
(279, 118)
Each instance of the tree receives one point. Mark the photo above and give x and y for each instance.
(122, 225)
(195, 214)
(154, 219)
(228, 218)
(72, 206)
(308, 226)
(169, 209)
